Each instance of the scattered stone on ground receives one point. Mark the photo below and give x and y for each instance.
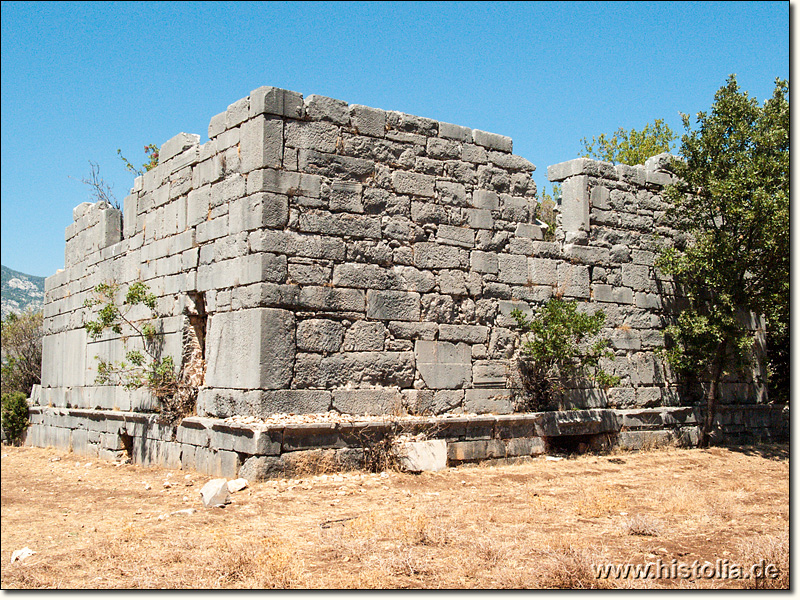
(20, 555)
(235, 485)
(417, 456)
(215, 493)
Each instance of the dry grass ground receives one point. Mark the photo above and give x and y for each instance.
(537, 524)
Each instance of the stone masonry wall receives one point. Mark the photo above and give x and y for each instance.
(319, 256)
(613, 223)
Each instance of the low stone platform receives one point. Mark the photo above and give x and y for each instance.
(276, 448)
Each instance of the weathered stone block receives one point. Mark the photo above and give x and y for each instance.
(475, 450)
(300, 402)
(575, 204)
(455, 236)
(492, 140)
(332, 299)
(245, 439)
(263, 355)
(257, 211)
(261, 468)
(319, 335)
(432, 402)
(416, 457)
(443, 365)
(636, 440)
(368, 121)
(413, 331)
(364, 336)
(360, 369)
(177, 144)
(484, 262)
(636, 277)
(334, 165)
(482, 401)
(346, 196)
(542, 271)
(490, 373)
(530, 446)
(472, 334)
(415, 184)
(451, 282)
(275, 101)
(428, 255)
(367, 402)
(343, 224)
(573, 280)
(587, 254)
(322, 108)
(513, 268)
(283, 182)
(393, 305)
(581, 166)
(261, 144)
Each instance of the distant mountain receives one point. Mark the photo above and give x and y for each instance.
(20, 291)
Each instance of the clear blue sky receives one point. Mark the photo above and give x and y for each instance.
(80, 80)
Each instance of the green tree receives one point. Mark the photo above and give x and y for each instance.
(630, 147)
(22, 352)
(733, 200)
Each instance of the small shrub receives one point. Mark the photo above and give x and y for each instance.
(14, 415)
(560, 343)
(642, 525)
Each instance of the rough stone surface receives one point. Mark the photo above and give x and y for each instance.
(443, 365)
(251, 349)
(316, 255)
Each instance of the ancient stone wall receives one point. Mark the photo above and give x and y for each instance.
(315, 256)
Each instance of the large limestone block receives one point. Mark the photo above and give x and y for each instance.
(418, 456)
(261, 143)
(251, 349)
(575, 204)
(443, 365)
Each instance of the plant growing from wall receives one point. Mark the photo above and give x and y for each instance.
(14, 415)
(144, 365)
(734, 185)
(99, 190)
(151, 151)
(558, 344)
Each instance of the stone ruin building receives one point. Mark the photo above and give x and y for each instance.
(318, 256)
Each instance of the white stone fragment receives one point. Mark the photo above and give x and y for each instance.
(418, 456)
(215, 493)
(235, 485)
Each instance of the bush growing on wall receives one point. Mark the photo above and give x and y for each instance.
(145, 367)
(559, 343)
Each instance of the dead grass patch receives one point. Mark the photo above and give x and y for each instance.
(540, 524)
(771, 549)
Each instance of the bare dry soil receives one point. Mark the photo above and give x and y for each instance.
(536, 524)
